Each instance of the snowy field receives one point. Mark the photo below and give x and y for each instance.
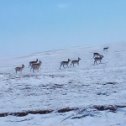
(69, 95)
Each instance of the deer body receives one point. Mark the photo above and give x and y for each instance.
(33, 62)
(36, 66)
(96, 55)
(64, 63)
(19, 69)
(73, 62)
(99, 58)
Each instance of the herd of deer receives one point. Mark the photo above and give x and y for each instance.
(35, 65)
(98, 57)
(66, 63)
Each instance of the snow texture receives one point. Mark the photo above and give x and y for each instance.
(52, 88)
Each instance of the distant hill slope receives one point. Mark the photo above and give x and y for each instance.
(53, 88)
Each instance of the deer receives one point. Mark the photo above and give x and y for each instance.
(19, 69)
(64, 63)
(33, 62)
(98, 58)
(73, 62)
(36, 66)
(105, 48)
(96, 54)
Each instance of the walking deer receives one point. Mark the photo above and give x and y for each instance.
(36, 66)
(98, 58)
(32, 62)
(19, 69)
(73, 62)
(64, 63)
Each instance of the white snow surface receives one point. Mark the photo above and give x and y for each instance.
(53, 88)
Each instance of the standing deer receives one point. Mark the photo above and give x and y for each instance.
(36, 66)
(19, 69)
(64, 63)
(32, 62)
(98, 58)
(73, 62)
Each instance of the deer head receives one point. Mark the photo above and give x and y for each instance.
(79, 58)
(23, 65)
(36, 60)
(68, 60)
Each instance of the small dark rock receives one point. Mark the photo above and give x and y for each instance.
(63, 110)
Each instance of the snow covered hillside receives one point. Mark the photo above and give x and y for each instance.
(84, 95)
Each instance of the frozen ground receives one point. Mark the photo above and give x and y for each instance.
(79, 87)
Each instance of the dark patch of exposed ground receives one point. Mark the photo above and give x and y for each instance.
(111, 108)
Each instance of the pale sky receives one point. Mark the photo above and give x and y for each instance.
(28, 26)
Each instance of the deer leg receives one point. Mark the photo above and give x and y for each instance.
(30, 68)
(94, 62)
(67, 65)
(38, 70)
(71, 64)
(60, 66)
(63, 66)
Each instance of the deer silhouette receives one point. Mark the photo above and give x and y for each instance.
(73, 62)
(36, 66)
(98, 58)
(19, 69)
(64, 63)
(32, 62)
